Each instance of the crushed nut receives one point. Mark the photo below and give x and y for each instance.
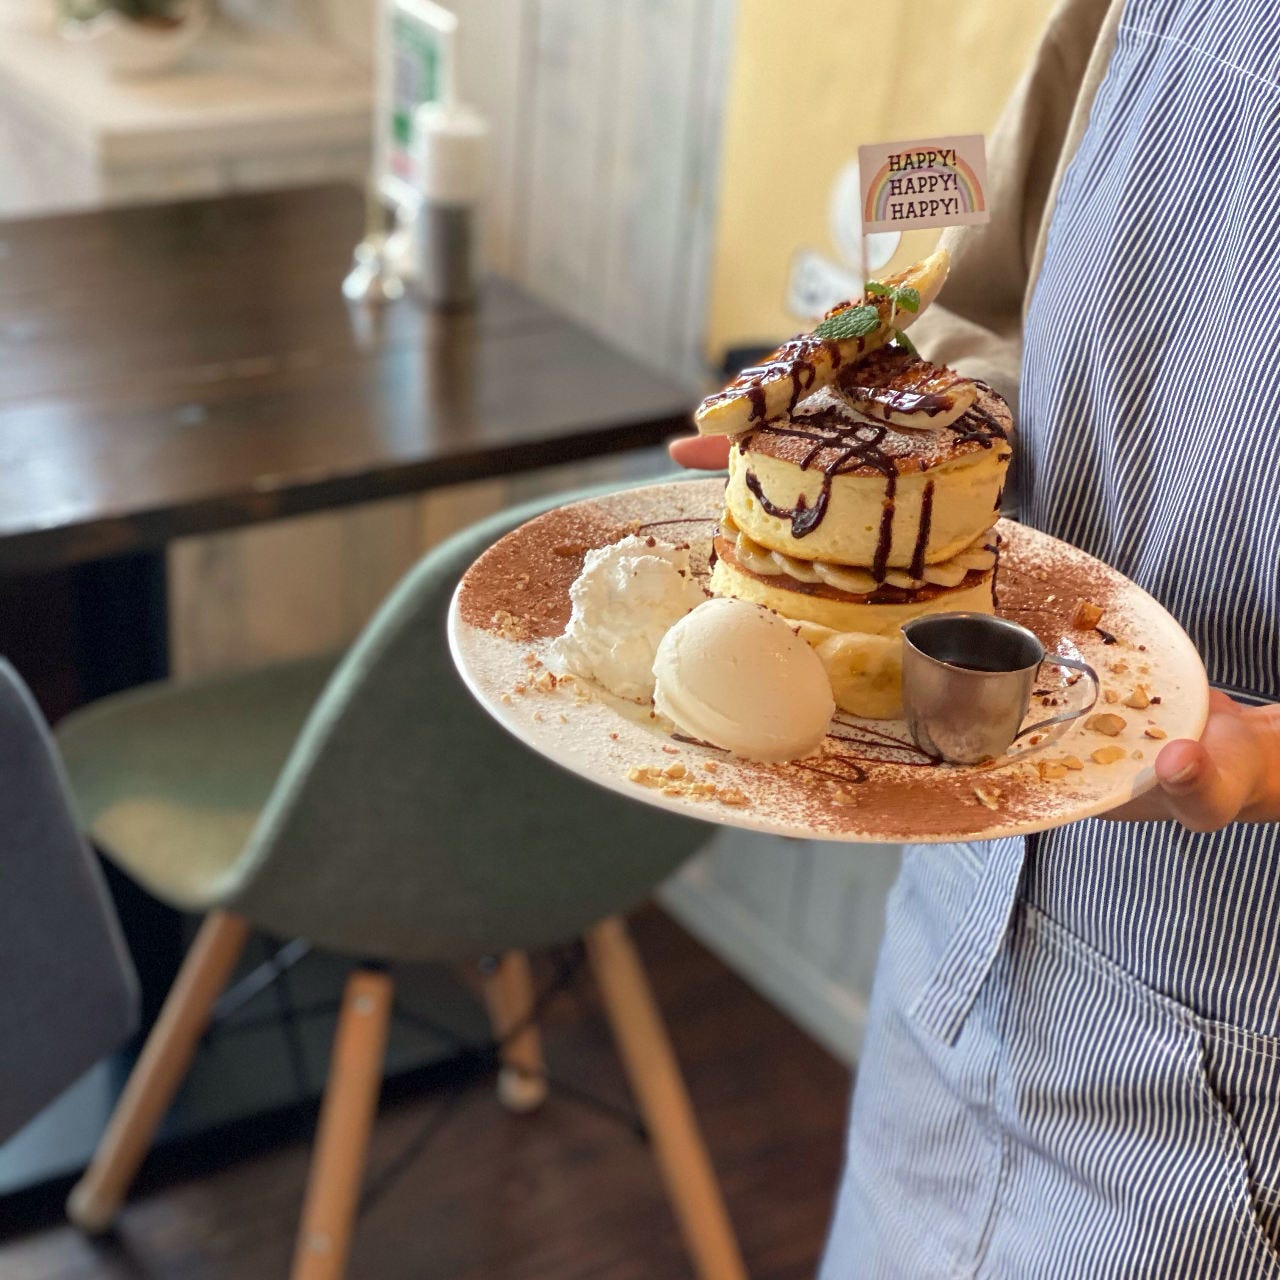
(613, 737)
(1105, 722)
(508, 626)
(564, 719)
(988, 796)
(1155, 731)
(731, 796)
(1139, 699)
(676, 770)
(1135, 755)
(537, 715)
(546, 682)
(710, 766)
(1087, 616)
(1107, 755)
(1110, 696)
(1119, 667)
(506, 697)
(671, 751)
(1073, 762)
(1050, 770)
(521, 687)
(532, 661)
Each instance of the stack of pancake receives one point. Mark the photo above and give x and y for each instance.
(863, 496)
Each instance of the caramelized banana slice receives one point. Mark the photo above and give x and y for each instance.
(808, 362)
(893, 386)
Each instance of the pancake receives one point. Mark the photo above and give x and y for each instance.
(849, 522)
(827, 483)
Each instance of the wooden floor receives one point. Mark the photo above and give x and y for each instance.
(565, 1194)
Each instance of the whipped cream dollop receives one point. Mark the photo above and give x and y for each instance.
(736, 675)
(624, 601)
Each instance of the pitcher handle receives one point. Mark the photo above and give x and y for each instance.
(1076, 664)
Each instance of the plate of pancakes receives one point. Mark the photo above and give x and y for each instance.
(864, 489)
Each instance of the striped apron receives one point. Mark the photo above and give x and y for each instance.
(1072, 1062)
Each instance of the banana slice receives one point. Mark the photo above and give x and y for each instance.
(808, 362)
(897, 387)
(865, 670)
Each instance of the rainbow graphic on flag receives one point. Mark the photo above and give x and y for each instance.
(930, 182)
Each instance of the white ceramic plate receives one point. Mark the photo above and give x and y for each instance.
(868, 784)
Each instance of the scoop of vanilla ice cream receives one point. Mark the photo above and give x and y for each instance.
(624, 600)
(737, 676)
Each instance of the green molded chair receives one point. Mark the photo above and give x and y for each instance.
(370, 806)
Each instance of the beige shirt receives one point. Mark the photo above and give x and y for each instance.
(994, 266)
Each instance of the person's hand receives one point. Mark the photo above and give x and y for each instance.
(1231, 775)
(702, 453)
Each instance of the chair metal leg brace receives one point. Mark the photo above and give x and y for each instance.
(346, 1118)
(655, 1079)
(508, 993)
(160, 1069)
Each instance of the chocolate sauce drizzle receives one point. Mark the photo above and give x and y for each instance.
(856, 775)
(654, 524)
(878, 740)
(922, 533)
(796, 360)
(852, 445)
(880, 748)
(844, 766)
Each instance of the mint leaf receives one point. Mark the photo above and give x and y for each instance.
(900, 339)
(852, 322)
(907, 298)
(877, 290)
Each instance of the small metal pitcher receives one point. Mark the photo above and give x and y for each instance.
(967, 680)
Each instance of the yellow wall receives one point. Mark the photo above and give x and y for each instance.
(810, 82)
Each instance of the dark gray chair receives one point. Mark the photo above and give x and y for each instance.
(68, 993)
(372, 807)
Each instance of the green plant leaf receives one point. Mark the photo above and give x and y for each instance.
(900, 339)
(877, 290)
(907, 298)
(852, 322)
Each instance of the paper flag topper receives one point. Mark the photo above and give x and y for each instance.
(930, 182)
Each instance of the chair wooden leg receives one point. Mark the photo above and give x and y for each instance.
(655, 1079)
(160, 1069)
(508, 992)
(346, 1117)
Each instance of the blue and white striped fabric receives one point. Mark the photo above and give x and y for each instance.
(1072, 1065)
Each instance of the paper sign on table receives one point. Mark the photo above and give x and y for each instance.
(929, 182)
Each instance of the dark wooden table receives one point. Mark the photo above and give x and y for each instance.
(178, 369)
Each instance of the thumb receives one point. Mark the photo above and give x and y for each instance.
(1200, 794)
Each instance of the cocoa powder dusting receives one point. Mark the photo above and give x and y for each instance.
(528, 576)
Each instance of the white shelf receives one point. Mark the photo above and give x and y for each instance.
(239, 94)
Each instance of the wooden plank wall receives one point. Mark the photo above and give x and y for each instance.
(605, 121)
